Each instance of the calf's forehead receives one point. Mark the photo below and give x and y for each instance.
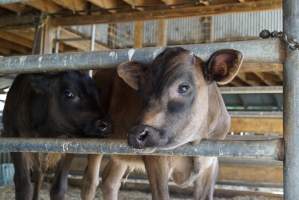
(175, 66)
(78, 81)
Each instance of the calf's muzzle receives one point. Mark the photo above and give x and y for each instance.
(142, 136)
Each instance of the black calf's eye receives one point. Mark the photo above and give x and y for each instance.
(183, 88)
(68, 94)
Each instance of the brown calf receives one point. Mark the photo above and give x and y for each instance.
(162, 105)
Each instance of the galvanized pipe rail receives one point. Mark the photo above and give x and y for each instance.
(270, 51)
(291, 102)
(266, 148)
(252, 90)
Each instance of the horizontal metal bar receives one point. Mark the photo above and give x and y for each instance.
(252, 90)
(11, 1)
(255, 114)
(253, 51)
(266, 149)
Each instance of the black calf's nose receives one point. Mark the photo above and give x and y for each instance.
(102, 126)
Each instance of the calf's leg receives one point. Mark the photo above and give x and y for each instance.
(112, 175)
(60, 183)
(91, 177)
(22, 177)
(38, 182)
(205, 184)
(157, 168)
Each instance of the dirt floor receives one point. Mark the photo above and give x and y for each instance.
(7, 193)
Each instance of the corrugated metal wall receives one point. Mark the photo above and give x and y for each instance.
(101, 31)
(248, 25)
(235, 26)
(180, 31)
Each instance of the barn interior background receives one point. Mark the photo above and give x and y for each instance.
(254, 97)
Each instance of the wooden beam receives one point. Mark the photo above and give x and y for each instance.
(44, 5)
(12, 46)
(74, 5)
(230, 171)
(138, 34)
(240, 82)
(261, 67)
(83, 45)
(142, 3)
(251, 81)
(263, 79)
(17, 22)
(161, 33)
(15, 7)
(254, 78)
(11, 37)
(249, 173)
(25, 33)
(106, 4)
(235, 83)
(169, 13)
(4, 51)
(279, 75)
(257, 125)
(273, 77)
(177, 2)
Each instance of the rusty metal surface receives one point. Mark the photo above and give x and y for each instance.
(265, 148)
(253, 51)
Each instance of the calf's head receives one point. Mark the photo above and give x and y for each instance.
(73, 104)
(181, 99)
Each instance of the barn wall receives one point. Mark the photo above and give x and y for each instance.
(238, 26)
(227, 27)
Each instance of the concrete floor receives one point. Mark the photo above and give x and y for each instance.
(7, 193)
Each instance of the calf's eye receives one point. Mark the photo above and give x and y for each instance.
(68, 94)
(183, 88)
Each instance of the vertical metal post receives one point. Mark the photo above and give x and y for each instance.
(92, 43)
(291, 103)
(93, 37)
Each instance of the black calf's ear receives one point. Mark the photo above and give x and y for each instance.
(223, 66)
(133, 73)
(40, 83)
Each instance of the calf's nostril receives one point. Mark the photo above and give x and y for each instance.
(142, 135)
(101, 125)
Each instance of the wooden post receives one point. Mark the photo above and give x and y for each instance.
(138, 34)
(112, 33)
(161, 33)
(44, 36)
(57, 36)
(48, 37)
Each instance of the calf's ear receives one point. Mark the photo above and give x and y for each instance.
(40, 83)
(223, 66)
(133, 73)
